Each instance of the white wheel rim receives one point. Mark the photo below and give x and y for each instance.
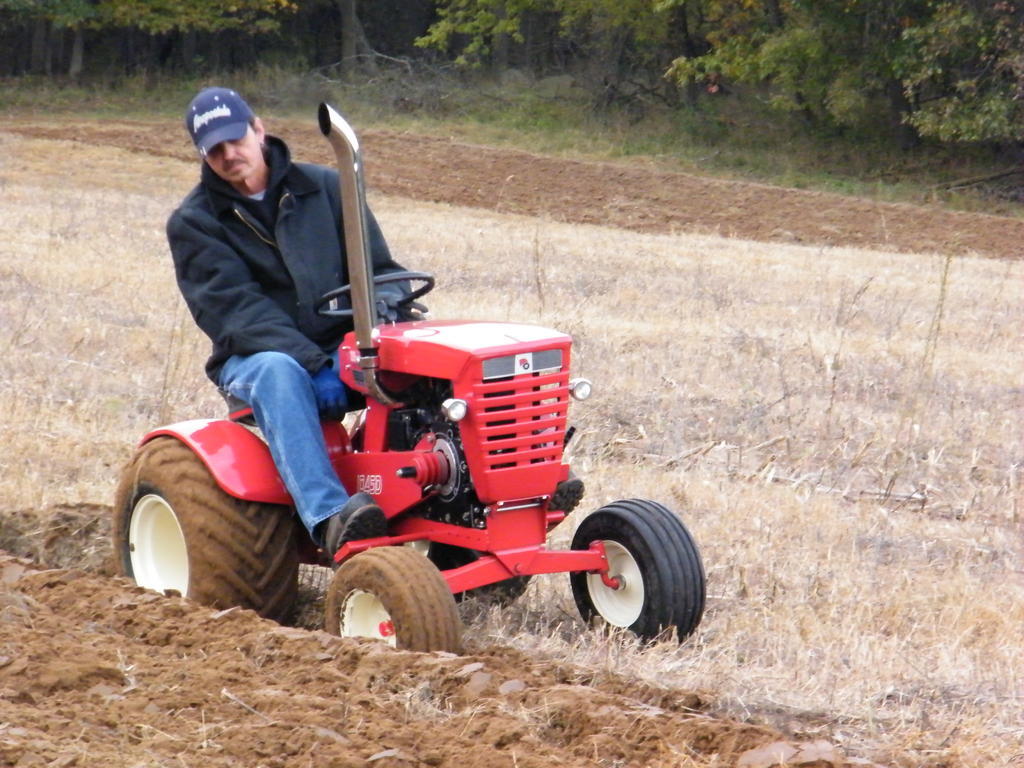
(364, 615)
(156, 546)
(619, 607)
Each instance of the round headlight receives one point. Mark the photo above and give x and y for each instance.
(454, 409)
(580, 389)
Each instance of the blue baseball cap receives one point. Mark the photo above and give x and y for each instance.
(216, 115)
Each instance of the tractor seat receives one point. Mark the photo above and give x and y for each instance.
(238, 409)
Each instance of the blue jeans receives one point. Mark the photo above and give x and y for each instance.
(283, 402)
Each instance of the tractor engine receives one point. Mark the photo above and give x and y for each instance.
(424, 427)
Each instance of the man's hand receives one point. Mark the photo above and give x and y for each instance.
(390, 310)
(331, 399)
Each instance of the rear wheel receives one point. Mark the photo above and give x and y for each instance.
(656, 563)
(396, 595)
(175, 529)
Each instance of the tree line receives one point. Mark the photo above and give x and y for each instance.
(951, 70)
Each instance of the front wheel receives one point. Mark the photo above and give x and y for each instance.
(656, 564)
(397, 595)
(174, 529)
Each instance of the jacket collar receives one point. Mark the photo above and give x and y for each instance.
(283, 173)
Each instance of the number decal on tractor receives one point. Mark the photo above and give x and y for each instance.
(371, 484)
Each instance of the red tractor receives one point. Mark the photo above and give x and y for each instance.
(461, 444)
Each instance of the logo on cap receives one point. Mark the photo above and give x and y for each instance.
(200, 120)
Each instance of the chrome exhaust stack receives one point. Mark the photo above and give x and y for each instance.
(357, 242)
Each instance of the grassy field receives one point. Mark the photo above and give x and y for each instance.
(840, 429)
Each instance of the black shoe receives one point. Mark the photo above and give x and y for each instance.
(360, 518)
(568, 494)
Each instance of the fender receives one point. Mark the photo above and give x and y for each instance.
(238, 460)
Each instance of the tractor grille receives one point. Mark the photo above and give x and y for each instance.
(514, 436)
(522, 421)
(517, 428)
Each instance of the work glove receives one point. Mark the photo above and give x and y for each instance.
(389, 310)
(331, 400)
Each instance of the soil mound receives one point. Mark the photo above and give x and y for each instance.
(97, 671)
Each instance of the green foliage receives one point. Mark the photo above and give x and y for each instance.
(479, 22)
(202, 15)
(474, 25)
(964, 66)
(950, 69)
(829, 59)
(62, 13)
(18, 6)
(154, 16)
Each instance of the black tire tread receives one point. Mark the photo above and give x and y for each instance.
(674, 580)
(688, 568)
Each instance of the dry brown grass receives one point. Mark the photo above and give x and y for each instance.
(840, 430)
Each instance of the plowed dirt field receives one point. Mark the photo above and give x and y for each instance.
(95, 672)
(616, 195)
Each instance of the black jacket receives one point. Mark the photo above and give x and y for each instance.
(251, 289)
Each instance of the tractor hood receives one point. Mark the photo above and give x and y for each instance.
(443, 349)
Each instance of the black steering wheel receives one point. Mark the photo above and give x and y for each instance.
(390, 277)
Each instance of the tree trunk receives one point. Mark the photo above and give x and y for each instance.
(528, 43)
(499, 56)
(57, 45)
(349, 20)
(353, 40)
(690, 50)
(77, 54)
(189, 46)
(901, 107)
(40, 56)
(364, 49)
